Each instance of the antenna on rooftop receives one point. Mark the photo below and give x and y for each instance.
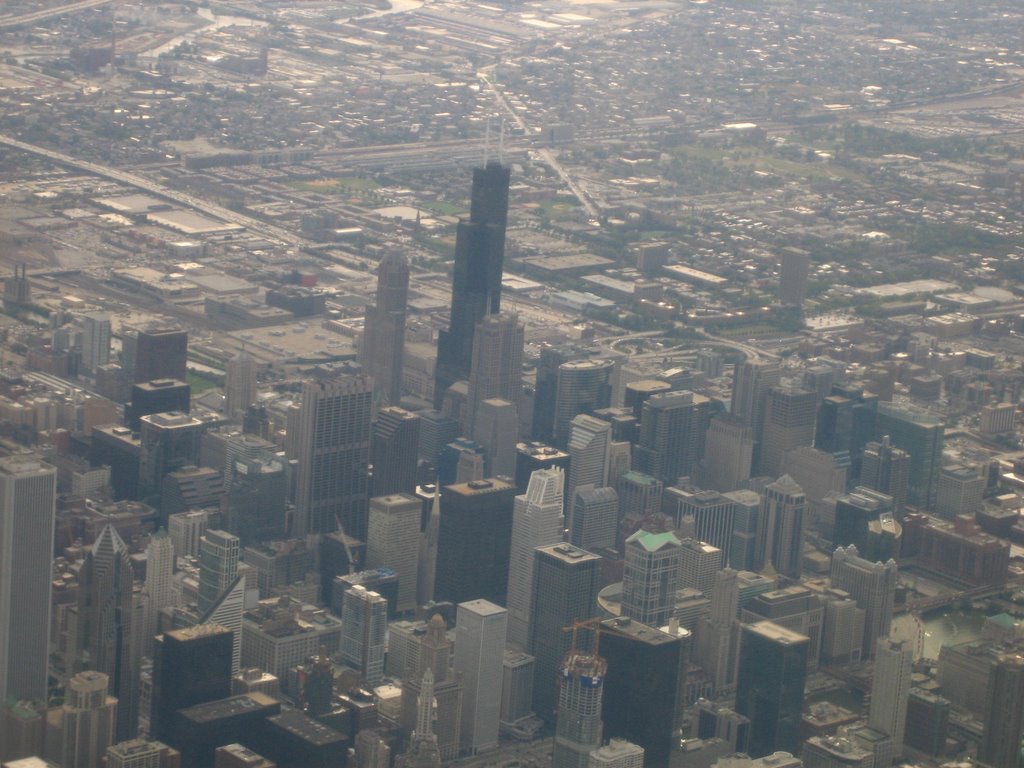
(487, 140)
(501, 143)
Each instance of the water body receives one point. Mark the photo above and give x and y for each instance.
(948, 626)
(216, 22)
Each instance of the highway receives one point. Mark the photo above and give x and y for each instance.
(269, 231)
(10, 22)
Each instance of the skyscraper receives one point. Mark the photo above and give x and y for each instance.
(480, 629)
(364, 621)
(239, 385)
(922, 435)
(161, 354)
(846, 422)
(27, 514)
(497, 367)
(85, 726)
(221, 589)
(476, 280)
(426, 572)
(770, 686)
(496, 428)
(332, 446)
(794, 268)
(699, 562)
(728, 453)
(566, 581)
(641, 686)
(382, 350)
(474, 539)
(594, 515)
(104, 623)
(873, 586)
(890, 692)
(672, 434)
(159, 588)
(583, 386)
(750, 386)
(651, 577)
(886, 468)
(537, 521)
(434, 655)
(393, 542)
(781, 538)
(190, 666)
(578, 724)
(854, 512)
(788, 424)
(169, 441)
(95, 340)
(589, 443)
(546, 388)
(423, 749)
(394, 451)
(1004, 713)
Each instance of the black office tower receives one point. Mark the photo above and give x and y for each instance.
(641, 686)
(474, 541)
(476, 281)
(190, 666)
(394, 451)
(770, 686)
(161, 355)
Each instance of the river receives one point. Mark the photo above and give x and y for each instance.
(948, 626)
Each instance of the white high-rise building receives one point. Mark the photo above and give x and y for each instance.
(393, 542)
(873, 586)
(537, 521)
(186, 530)
(95, 340)
(617, 753)
(589, 443)
(890, 692)
(27, 513)
(480, 628)
(364, 619)
(699, 562)
(221, 588)
(159, 584)
(239, 385)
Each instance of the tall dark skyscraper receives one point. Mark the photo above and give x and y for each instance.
(394, 451)
(641, 703)
(161, 355)
(190, 666)
(566, 581)
(476, 282)
(770, 686)
(474, 541)
(383, 344)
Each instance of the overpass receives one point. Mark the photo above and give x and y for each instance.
(27, 19)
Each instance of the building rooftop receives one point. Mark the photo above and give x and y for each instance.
(653, 542)
(568, 553)
(777, 633)
(229, 707)
(306, 728)
(636, 631)
(480, 487)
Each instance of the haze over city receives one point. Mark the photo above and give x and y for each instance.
(538, 384)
